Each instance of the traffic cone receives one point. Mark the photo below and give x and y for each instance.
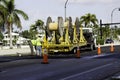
(45, 57)
(78, 53)
(99, 49)
(111, 48)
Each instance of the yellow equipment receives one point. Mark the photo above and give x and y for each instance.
(61, 42)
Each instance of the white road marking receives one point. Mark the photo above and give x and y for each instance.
(95, 56)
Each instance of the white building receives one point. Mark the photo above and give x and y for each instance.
(15, 36)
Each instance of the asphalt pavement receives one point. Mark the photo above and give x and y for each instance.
(86, 68)
(89, 67)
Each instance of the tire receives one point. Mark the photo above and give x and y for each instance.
(74, 51)
(94, 48)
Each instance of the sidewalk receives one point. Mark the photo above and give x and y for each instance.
(26, 49)
(6, 51)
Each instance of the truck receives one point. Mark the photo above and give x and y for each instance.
(90, 38)
(64, 37)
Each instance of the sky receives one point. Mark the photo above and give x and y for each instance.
(42, 9)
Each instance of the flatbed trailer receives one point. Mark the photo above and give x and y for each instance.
(64, 46)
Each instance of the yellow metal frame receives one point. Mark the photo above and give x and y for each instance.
(75, 39)
(82, 38)
(67, 45)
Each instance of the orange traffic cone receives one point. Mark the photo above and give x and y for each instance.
(45, 57)
(112, 48)
(78, 53)
(99, 49)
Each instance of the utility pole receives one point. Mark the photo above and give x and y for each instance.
(101, 29)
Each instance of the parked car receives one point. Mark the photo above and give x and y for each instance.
(109, 41)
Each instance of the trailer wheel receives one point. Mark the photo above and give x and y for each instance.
(94, 48)
(74, 51)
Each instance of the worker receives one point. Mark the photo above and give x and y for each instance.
(34, 44)
(18, 44)
(38, 46)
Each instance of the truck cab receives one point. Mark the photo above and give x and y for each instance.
(90, 38)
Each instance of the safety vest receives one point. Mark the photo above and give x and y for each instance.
(33, 42)
(38, 43)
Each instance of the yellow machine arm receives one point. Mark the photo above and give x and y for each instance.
(67, 40)
(75, 39)
(82, 38)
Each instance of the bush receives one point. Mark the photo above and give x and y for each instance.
(100, 41)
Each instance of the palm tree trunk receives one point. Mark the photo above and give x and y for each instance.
(11, 45)
(31, 47)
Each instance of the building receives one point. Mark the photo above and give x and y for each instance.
(17, 39)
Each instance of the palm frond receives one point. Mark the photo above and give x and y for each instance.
(10, 6)
(23, 14)
(17, 21)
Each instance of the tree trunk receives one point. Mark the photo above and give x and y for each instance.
(31, 47)
(10, 33)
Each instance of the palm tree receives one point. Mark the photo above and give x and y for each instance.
(33, 31)
(12, 16)
(39, 23)
(1, 36)
(37, 26)
(89, 20)
(2, 16)
(106, 31)
(33, 27)
(1, 20)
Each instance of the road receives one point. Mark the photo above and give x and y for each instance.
(88, 67)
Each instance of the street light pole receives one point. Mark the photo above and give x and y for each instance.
(65, 8)
(112, 18)
(112, 13)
